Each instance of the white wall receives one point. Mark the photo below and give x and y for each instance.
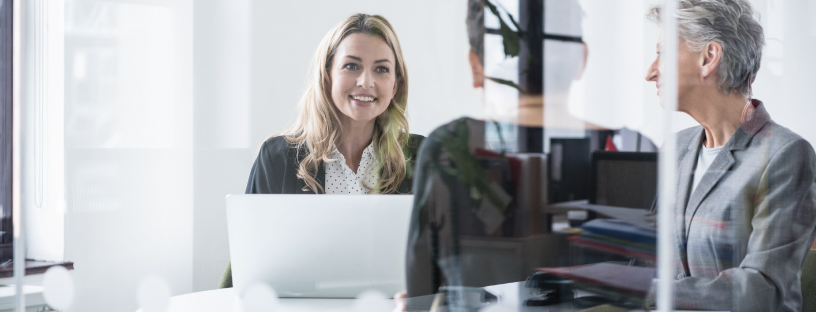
(222, 155)
(433, 37)
(786, 78)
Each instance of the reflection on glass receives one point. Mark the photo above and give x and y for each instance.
(58, 288)
(120, 91)
(481, 224)
(474, 225)
(128, 157)
(153, 294)
(259, 297)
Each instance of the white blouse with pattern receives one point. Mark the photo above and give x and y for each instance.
(340, 179)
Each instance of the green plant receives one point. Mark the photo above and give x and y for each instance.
(511, 41)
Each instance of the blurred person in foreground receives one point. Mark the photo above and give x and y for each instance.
(351, 135)
(746, 195)
(472, 223)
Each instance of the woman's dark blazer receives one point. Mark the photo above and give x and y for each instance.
(275, 172)
(275, 169)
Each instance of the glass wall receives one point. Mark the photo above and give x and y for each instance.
(529, 180)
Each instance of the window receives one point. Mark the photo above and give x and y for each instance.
(524, 72)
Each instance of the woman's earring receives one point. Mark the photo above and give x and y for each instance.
(703, 71)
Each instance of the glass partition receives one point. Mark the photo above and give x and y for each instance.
(254, 155)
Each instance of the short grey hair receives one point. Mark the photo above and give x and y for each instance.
(476, 27)
(731, 23)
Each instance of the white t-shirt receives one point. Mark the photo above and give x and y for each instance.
(340, 179)
(704, 160)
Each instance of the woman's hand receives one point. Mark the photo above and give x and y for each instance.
(399, 301)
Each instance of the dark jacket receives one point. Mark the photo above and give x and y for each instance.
(275, 172)
(275, 169)
(446, 245)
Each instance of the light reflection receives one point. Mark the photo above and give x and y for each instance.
(153, 294)
(372, 301)
(259, 297)
(58, 288)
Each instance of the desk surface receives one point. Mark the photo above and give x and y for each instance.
(33, 296)
(226, 300)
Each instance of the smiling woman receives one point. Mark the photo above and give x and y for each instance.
(351, 135)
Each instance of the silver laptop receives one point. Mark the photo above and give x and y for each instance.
(319, 246)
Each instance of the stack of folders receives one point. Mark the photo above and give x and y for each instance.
(605, 277)
(618, 237)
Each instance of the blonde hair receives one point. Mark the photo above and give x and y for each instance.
(318, 127)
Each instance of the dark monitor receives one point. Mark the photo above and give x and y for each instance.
(569, 169)
(623, 179)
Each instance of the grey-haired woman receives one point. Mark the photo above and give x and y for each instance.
(746, 195)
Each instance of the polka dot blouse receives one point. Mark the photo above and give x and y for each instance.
(340, 179)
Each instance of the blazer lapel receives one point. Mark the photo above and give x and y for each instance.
(725, 160)
(321, 177)
(715, 172)
(302, 188)
(686, 164)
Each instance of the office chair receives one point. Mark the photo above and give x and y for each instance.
(809, 282)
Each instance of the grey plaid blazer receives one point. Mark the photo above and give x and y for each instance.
(744, 232)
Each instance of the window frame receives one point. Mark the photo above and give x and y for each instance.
(6, 126)
(531, 16)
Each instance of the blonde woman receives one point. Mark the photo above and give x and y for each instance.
(351, 135)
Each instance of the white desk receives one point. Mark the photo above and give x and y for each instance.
(226, 300)
(33, 298)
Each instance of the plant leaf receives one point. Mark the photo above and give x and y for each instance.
(511, 39)
(513, 20)
(507, 83)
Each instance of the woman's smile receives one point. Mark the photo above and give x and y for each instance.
(363, 100)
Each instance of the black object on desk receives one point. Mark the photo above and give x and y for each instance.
(554, 289)
(457, 298)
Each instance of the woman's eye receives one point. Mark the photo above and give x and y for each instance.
(383, 70)
(350, 66)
